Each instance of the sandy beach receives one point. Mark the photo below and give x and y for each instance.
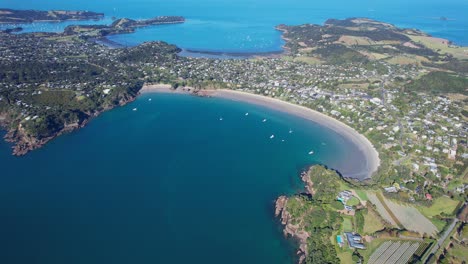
(371, 156)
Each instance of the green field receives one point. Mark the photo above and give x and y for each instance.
(347, 224)
(372, 222)
(440, 205)
(362, 195)
(345, 257)
(353, 201)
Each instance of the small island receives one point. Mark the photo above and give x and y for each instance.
(402, 91)
(29, 16)
(120, 26)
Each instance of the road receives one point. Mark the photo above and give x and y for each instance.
(442, 239)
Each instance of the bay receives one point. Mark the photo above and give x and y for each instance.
(248, 25)
(168, 183)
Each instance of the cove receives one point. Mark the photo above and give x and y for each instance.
(247, 26)
(168, 183)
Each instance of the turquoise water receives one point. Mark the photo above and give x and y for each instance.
(248, 25)
(169, 183)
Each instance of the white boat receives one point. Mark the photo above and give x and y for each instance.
(134, 109)
(264, 120)
(272, 136)
(150, 99)
(220, 119)
(282, 140)
(311, 152)
(290, 131)
(246, 114)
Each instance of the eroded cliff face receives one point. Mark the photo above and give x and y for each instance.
(290, 229)
(24, 142)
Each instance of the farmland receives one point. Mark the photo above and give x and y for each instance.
(381, 208)
(440, 205)
(372, 222)
(402, 215)
(393, 252)
(411, 218)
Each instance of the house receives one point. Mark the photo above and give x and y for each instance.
(354, 240)
(429, 196)
(391, 189)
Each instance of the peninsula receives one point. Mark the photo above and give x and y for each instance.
(29, 16)
(398, 94)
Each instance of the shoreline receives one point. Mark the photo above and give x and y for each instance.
(372, 160)
(230, 55)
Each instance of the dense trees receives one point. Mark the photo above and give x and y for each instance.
(440, 82)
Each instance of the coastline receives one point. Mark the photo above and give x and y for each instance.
(372, 160)
(231, 55)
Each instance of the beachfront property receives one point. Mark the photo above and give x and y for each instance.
(344, 196)
(354, 240)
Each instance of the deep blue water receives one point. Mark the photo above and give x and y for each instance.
(169, 183)
(248, 25)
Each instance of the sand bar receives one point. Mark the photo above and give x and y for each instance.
(371, 158)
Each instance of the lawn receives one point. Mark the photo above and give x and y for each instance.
(353, 201)
(440, 205)
(347, 224)
(362, 195)
(459, 251)
(372, 222)
(345, 257)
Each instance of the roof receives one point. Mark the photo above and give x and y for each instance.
(353, 240)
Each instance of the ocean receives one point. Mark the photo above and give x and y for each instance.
(171, 182)
(168, 183)
(247, 26)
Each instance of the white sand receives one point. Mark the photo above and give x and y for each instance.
(372, 161)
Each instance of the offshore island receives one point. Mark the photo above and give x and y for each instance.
(399, 94)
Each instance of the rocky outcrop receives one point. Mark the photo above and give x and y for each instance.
(290, 229)
(24, 142)
(309, 185)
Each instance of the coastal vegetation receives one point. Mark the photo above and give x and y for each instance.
(402, 89)
(440, 82)
(30, 16)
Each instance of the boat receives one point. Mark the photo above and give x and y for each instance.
(272, 136)
(220, 119)
(134, 109)
(264, 120)
(290, 131)
(150, 99)
(311, 152)
(247, 114)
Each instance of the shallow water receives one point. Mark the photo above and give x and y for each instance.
(248, 25)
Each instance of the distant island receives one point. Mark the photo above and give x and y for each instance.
(120, 26)
(29, 16)
(401, 89)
